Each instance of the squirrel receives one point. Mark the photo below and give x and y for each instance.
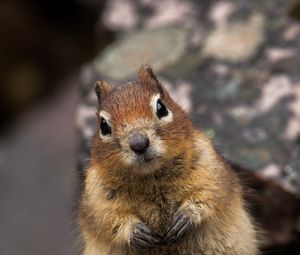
(155, 184)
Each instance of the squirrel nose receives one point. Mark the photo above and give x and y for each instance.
(138, 143)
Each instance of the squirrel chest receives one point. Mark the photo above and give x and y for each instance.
(152, 200)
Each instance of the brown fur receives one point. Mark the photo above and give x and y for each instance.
(189, 177)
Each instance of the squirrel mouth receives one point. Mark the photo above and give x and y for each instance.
(148, 158)
(145, 158)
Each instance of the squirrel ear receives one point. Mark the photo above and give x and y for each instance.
(147, 77)
(102, 88)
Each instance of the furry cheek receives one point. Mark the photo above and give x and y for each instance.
(156, 144)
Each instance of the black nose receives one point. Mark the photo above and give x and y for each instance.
(138, 143)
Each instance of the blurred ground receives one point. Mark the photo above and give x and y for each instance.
(233, 64)
(38, 179)
(42, 46)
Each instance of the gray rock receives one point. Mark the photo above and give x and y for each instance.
(159, 47)
(241, 85)
(236, 41)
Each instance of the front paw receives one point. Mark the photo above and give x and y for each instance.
(180, 225)
(142, 237)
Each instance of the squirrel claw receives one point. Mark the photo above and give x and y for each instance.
(178, 228)
(143, 237)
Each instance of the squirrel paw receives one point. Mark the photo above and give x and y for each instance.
(178, 228)
(143, 237)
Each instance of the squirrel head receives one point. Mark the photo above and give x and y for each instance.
(139, 126)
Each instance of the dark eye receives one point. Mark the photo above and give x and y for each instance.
(161, 109)
(105, 128)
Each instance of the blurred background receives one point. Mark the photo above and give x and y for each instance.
(234, 65)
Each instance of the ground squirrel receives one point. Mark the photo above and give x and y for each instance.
(155, 184)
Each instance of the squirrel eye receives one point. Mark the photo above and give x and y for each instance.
(161, 109)
(105, 128)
